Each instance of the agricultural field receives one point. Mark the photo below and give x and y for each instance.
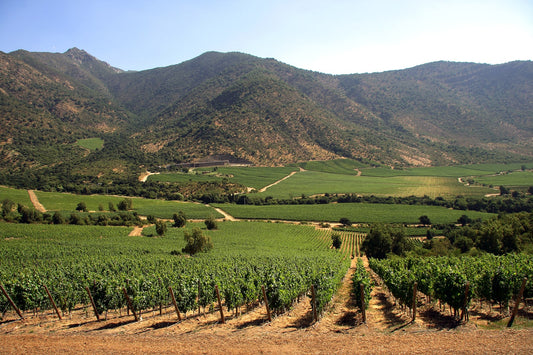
(355, 212)
(447, 171)
(16, 195)
(286, 259)
(336, 166)
(515, 179)
(54, 201)
(254, 177)
(310, 183)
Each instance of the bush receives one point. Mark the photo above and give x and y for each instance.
(180, 220)
(210, 223)
(81, 207)
(160, 228)
(464, 243)
(196, 241)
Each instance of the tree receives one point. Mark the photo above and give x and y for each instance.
(151, 219)
(336, 241)
(196, 241)
(430, 234)
(378, 243)
(399, 242)
(463, 243)
(125, 204)
(180, 220)
(112, 207)
(81, 207)
(424, 220)
(160, 227)
(8, 206)
(58, 218)
(345, 222)
(464, 220)
(504, 191)
(210, 223)
(530, 190)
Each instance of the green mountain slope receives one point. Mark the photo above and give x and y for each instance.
(258, 109)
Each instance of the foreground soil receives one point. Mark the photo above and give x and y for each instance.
(340, 330)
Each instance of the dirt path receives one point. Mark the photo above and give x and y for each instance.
(226, 215)
(280, 180)
(144, 176)
(136, 232)
(35, 201)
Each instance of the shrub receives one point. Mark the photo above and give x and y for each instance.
(81, 207)
(210, 223)
(160, 228)
(196, 241)
(180, 220)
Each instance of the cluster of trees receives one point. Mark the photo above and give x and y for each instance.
(507, 204)
(504, 234)
(18, 213)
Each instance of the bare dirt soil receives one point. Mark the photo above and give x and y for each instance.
(35, 201)
(340, 330)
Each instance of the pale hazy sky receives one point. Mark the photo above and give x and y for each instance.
(333, 36)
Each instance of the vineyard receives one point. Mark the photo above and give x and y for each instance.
(147, 277)
(76, 264)
(455, 282)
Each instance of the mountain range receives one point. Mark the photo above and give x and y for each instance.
(259, 110)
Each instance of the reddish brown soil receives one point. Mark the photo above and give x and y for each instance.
(340, 330)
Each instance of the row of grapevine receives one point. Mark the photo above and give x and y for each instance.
(361, 277)
(193, 280)
(491, 278)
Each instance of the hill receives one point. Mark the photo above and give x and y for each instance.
(256, 109)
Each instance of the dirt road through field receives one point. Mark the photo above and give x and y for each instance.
(35, 201)
(280, 180)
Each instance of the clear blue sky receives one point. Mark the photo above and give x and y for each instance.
(333, 36)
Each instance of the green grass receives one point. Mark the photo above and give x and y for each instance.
(355, 212)
(91, 143)
(314, 182)
(15, 195)
(55, 201)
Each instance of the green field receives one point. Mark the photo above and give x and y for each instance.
(55, 201)
(256, 177)
(513, 179)
(336, 166)
(355, 212)
(91, 143)
(446, 171)
(313, 182)
(285, 259)
(37, 241)
(340, 176)
(15, 195)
